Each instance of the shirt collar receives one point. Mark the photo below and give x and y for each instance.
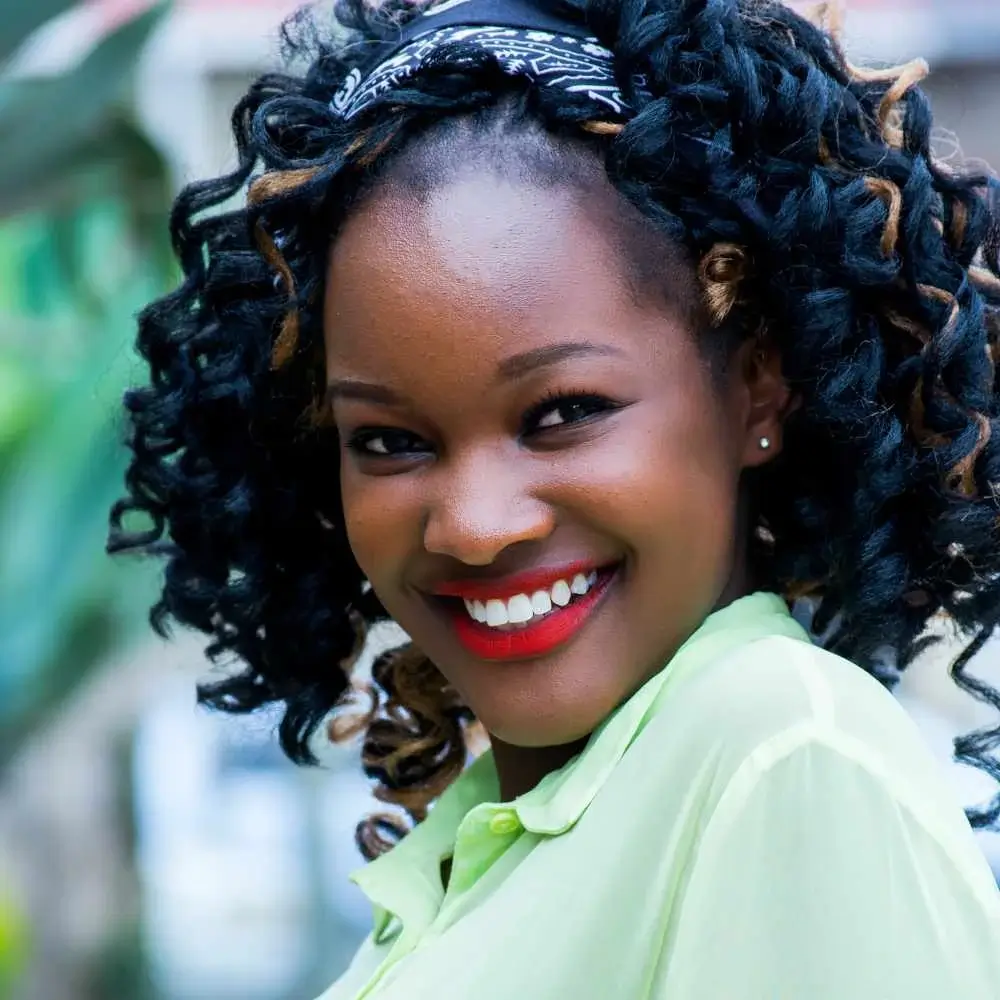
(406, 882)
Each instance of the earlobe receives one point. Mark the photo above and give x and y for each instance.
(769, 401)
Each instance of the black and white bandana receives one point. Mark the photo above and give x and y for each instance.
(525, 38)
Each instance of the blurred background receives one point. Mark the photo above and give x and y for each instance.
(149, 851)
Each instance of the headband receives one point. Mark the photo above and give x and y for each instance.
(525, 38)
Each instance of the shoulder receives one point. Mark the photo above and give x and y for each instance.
(822, 819)
(781, 711)
(776, 684)
(787, 680)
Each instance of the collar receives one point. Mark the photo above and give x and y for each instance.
(406, 882)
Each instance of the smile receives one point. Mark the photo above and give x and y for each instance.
(530, 623)
(520, 609)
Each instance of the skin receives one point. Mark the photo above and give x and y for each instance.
(429, 298)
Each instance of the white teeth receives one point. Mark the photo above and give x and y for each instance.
(522, 608)
(519, 609)
(496, 612)
(476, 609)
(541, 603)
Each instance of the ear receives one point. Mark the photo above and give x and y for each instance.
(764, 401)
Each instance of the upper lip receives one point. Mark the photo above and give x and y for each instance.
(526, 582)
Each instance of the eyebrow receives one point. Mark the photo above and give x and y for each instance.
(364, 392)
(509, 370)
(519, 365)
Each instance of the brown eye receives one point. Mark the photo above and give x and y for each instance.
(386, 442)
(564, 410)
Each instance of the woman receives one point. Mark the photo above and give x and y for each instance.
(581, 343)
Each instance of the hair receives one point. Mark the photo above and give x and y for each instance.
(816, 216)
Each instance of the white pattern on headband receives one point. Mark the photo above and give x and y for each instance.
(576, 65)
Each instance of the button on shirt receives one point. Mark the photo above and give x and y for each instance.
(760, 821)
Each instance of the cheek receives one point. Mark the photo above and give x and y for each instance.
(380, 521)
(696, 478)
(669, 475)
(670, 492)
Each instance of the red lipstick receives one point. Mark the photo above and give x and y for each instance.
(536, 637)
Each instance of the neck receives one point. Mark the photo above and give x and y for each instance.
(521, 768)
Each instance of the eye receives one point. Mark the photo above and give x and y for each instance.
(386, 442)
(566, 409)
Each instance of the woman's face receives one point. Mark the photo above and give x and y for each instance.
(520, 424)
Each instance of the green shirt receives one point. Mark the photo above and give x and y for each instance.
(760, 821)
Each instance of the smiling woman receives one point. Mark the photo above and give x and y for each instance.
(581, 340)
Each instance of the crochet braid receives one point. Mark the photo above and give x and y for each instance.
(806, 192)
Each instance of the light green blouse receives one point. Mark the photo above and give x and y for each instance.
(760, 821)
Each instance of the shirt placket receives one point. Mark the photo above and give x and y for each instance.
(484, 835)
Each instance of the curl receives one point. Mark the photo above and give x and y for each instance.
(721, 272)
(415, 741)
(892, 197)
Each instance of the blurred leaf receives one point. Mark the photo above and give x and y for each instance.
(57, 494)
(144, 182)
(14, 945)
(129, 163)
(45, 124)
(86, 265)
(21, 400)
(54, 497)
(21, 18)
(81, 642)
(124, 160)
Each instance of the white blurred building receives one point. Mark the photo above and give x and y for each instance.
(243, 859)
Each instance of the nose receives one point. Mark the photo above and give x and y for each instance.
(481, 513)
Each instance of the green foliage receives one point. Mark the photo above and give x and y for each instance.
(63, 603)
(58, 132)
(86, 250)
(20, 20)
(14, 945)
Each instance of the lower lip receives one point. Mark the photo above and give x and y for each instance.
(537, 637)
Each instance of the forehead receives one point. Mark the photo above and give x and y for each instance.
(433, 291)
(485, 260)
(473, 264)
(474, 236)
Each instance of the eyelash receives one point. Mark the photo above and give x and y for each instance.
(553, 400)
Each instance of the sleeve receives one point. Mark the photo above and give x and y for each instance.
(815, 880)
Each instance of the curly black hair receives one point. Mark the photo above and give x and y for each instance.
(817, 216)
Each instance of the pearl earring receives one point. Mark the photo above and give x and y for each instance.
(765, 443)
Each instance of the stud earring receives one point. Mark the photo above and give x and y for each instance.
(765, 443)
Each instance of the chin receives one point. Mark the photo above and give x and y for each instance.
(542, 731)
(538, 712)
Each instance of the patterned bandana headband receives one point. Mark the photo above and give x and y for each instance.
(525, 38)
